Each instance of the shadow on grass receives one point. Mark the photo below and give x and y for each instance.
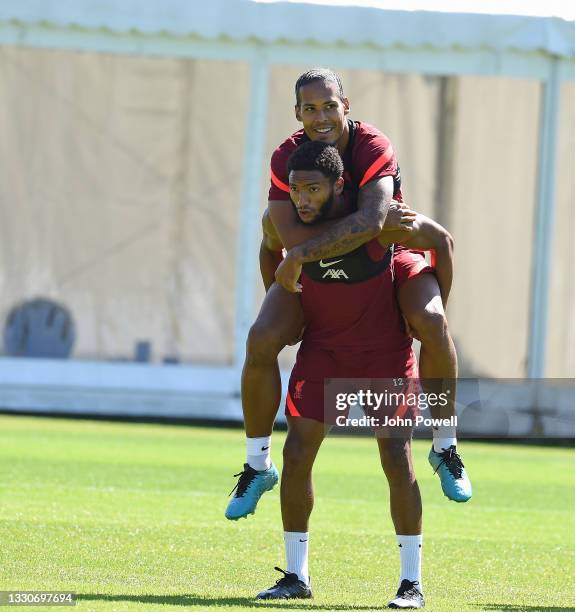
(196, 600)
(514, 608)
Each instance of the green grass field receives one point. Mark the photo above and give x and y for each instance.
(130, 516)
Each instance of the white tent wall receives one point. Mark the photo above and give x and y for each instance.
(494, 198)
(126, 201)
(383, 55)
(120, 197)
(211, 162)
(561, 336)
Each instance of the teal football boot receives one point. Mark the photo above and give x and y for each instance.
(250, 487)
(454, 480)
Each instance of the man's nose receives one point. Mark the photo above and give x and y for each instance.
(303, 199)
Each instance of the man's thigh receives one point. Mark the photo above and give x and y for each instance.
(303, 442)
(308, 432)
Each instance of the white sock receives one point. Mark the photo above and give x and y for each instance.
(410, 555)
(443, 437)
(258, 453)
(296, 544)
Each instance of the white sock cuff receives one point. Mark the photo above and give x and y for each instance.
(441, 443)
(444, 431)
(258, 446)
(295, 536)
(409, 540)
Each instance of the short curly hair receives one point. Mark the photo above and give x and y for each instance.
(324, 75)
(316, 155)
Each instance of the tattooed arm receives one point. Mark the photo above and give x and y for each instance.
(340, 237)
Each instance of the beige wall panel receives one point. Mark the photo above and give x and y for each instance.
(121, 191)
(561, 337)
(120, 183)
(404, 107)
(494, 193)
(209, 210)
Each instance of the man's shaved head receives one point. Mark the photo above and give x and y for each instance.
(324, 75)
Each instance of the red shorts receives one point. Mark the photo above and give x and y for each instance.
(407, 264)
(320, 374)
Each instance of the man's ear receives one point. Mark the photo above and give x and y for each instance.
(345, 106)
(338, 186)
(297, 113)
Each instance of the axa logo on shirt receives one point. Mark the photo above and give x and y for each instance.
(335, 274)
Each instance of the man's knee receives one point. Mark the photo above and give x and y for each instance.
(395, 456)
(263, 343)
(429, 322)
(298, 457)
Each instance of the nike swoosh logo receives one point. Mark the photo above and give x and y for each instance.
(265, 447)
(325, 264)
(303, 540)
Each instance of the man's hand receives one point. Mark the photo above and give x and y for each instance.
(399, 217)
(289, 271)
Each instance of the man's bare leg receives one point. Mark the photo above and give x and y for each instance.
(404, 496)
(300, 449)
(406, 513)
(279, 322)
(421, 304)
